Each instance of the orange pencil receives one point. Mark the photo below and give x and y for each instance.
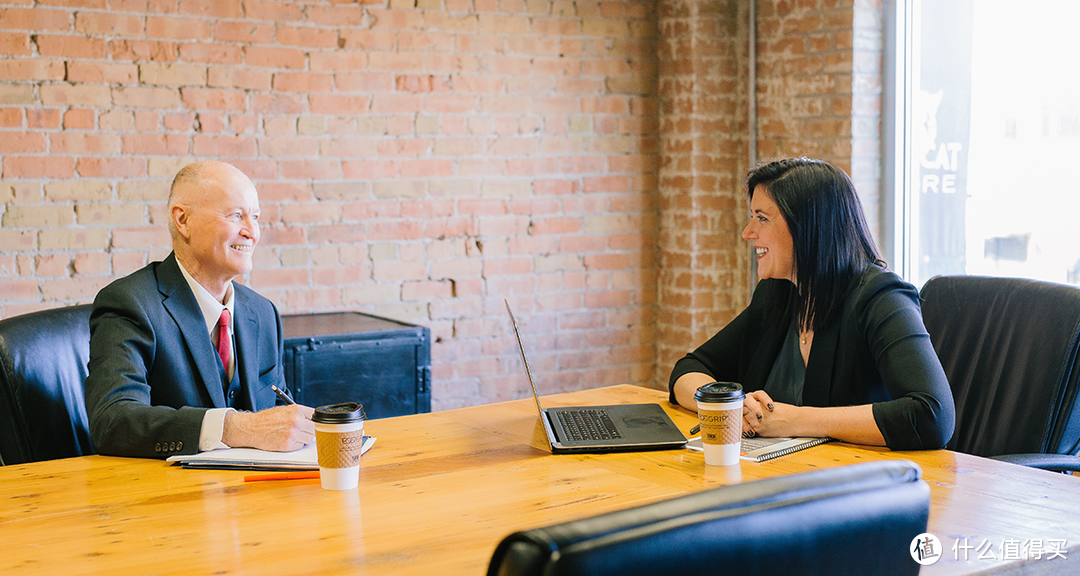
(282, 476)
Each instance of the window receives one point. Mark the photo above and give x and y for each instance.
(987, 111)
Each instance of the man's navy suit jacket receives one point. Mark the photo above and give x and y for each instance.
(154, 371)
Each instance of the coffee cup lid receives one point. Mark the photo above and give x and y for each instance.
(719, 392)
(343, 413)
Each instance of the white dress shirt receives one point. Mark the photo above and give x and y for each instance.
(213, 424)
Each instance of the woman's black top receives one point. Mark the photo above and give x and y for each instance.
(875, 351)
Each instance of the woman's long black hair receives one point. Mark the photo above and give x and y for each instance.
(832, 241)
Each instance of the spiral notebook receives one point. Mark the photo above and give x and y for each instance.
(762, 449)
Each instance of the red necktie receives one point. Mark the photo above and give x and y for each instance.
(223, 339)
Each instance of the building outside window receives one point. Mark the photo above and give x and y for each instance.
(987, 135)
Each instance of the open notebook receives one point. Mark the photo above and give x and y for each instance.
(762, 449)
(306, 458)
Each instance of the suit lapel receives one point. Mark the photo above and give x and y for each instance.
(246, 330)
(184, 309)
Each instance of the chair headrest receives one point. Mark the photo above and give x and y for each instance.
(785, 525)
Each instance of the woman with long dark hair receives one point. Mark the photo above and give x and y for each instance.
(832, 344)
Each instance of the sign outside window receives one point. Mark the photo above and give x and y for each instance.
(992, 135)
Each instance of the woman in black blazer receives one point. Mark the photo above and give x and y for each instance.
(832, 343)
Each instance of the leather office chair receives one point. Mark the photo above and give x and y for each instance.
(43, 358)
(1009, 347)
(858, 519)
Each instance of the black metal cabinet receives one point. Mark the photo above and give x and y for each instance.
(354, 357)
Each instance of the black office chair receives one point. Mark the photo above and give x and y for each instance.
(1009, 347)
(43, 358)
(858, 519)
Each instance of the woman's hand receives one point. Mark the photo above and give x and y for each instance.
(764, 417)
(760, 415)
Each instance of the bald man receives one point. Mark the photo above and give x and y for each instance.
(182, 358)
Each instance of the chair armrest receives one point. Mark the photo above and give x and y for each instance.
(1052, 462)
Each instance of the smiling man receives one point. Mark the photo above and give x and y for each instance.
(183, 358)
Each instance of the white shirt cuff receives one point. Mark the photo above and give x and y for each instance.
(213, 427)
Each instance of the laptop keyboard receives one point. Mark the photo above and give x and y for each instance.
(588, 425)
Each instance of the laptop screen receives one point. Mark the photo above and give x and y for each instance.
(525, 361)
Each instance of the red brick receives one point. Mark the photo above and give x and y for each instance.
(340, 15)
(451, 63)
(31, 69)
(339, 275)
(15, 44)
(374, 82)
(66, 289)
(398, 272)
(309, 299)
(71, 46)
(238, 77)
(22, 143)
(310, 169)
(223, 146)
(45, 265)
(244, 31)
(102, 72)
(111, 167)
(34, 19)
(368, 40)
(179, 122)
(77, 143)
(398, 19)
(177, 28)
(287, 147)
(369, 170)
(274, 57)
(337, 60)
(211, 53)
(449, 103)
(39, 167)
(213, 8)
(347, 148)
(303, 82)
(273, 11)
(213, 99)
(277, 104)
(307, 37)
(404, 147)
(147, 120)
(124, 262)
(11, 117)
(426, 291)
(108, 24)
(161, 144)
(91, 264)
(426, 41)
(141, 237)
(144, 97)
(427, 168)
(15, 290)
(143, 50)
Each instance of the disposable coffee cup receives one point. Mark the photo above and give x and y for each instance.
(339, 438)
(720, 407)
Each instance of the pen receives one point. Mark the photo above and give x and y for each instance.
(281, 394)
(695, 429)
(282, 476)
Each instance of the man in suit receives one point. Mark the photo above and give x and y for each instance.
(182, 358)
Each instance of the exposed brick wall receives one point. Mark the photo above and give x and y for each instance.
(424, 159)
(819, 87)
(704, 129)
(415, 160)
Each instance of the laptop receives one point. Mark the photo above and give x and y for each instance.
(591, 429)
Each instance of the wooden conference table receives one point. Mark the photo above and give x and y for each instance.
(438, 492)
